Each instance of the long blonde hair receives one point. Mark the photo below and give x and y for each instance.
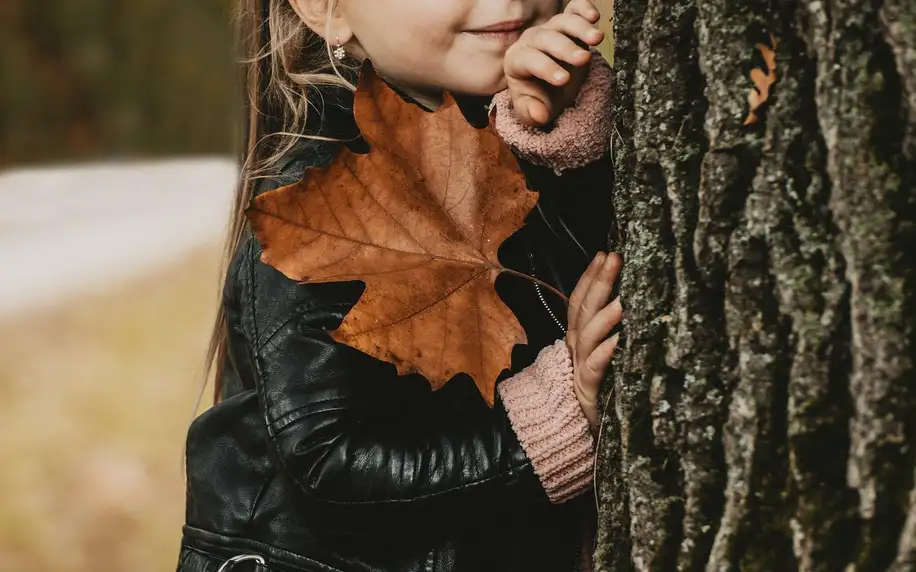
(282, 58)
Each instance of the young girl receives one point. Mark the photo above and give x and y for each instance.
(318, 457)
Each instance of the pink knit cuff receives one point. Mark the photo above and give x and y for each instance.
(550, 424)
(579, 136)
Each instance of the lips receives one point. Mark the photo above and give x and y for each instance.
(504, 27)
(506, 33)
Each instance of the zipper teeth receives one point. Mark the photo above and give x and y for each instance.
(556, 320)
(537, 288)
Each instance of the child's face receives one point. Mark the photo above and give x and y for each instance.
(442, 44)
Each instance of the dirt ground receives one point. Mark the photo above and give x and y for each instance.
(95, 397)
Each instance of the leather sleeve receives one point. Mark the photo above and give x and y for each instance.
(368, 447)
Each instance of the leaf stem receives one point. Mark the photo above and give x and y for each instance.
(556, 292)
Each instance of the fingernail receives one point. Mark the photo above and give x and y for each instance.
(609, 262)
(616, 339)
(580, 54)
(559, 75)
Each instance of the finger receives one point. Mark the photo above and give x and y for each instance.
(582, 286)
(599, 327)
(597, 362)
(575, 300)
(584, 8)
(530, 63)
(600, 290)
(530, 101)
(576, 27)
(560, 47)
(532, 111)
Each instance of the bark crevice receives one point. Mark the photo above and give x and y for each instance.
(784, 309)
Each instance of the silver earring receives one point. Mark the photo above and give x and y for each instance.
(339, 52)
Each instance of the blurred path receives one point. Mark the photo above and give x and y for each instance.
(66, 230)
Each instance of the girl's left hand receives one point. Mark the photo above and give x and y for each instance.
(547, 66)
(591, 317)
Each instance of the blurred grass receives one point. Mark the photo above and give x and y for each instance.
(97, 394)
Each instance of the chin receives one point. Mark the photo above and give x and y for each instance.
(475, 75)
(481, 88)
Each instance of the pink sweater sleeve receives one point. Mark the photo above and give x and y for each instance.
(550, 424)
(581, 135)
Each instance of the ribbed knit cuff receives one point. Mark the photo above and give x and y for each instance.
(579, 136)
(550, 424)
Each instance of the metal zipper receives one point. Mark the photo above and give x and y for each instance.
(230, 564)
(537, 288)
(556, 320)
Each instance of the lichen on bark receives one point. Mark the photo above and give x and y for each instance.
(763, 413)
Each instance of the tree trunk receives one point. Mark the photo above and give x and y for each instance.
(763, 413)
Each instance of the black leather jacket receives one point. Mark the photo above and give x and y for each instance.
(321, 459)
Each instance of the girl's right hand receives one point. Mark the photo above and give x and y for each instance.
(546, 67)
(590, 318)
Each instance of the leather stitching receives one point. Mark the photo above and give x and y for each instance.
(251, 294)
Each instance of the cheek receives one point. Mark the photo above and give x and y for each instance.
(400, 27)
(400, 39)
(474, 71)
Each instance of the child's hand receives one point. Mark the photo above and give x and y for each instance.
(546, 67)
(591, 318)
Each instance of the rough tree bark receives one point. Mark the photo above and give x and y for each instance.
(763, 414)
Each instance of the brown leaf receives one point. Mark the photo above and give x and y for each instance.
(419, 220)
(763, 81)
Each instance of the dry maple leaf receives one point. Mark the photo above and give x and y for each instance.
(763, 81)
(418, 219)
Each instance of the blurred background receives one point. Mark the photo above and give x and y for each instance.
(118, 130)
(83, 79)
(118, 135)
